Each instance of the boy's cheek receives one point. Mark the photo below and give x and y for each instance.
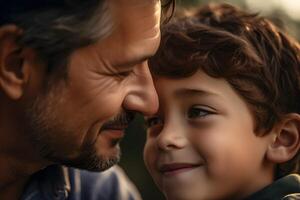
(150, 155)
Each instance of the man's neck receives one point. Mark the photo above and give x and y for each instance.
(18, 159)
(13, 190)
(14, 174)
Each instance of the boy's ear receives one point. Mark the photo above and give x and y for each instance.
(13, 75)
(285, 142)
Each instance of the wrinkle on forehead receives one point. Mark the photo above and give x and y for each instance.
(136, 3)
(134, 18)
(135, 34)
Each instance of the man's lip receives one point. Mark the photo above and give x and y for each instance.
(120, 122)
(120, 128)
(176, 167)
(113, 132)
(113, 135)
(114, 127)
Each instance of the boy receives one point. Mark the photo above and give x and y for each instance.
(228, 126)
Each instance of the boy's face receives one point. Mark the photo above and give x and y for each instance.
(201, 144)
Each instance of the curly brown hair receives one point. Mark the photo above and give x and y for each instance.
(259, 61)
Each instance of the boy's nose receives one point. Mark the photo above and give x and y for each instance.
(171, 138)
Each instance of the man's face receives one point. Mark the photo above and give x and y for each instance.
(79, 121)
(201, 144)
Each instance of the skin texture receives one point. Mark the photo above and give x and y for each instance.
(201, 143)
(102, 86)
(79, 120)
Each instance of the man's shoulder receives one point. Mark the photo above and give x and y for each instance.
(112, 184)
(57, 182)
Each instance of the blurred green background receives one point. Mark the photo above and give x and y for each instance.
(285, 13)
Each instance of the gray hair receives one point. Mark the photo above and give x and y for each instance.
(55, 32)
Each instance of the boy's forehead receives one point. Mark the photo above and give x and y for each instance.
(199, 83)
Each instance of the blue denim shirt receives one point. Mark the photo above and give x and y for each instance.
(62, 183)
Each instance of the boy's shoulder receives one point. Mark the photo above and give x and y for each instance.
(285, 188)
(295, 196)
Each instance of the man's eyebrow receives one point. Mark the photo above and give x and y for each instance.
(134, 62)
(190, 92)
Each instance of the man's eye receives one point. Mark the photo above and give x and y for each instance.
(124, 74)
(153, 121)
(198, 112)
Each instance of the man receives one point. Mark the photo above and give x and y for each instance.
(72, 75)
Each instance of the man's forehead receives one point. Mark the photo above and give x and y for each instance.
(120, 7)
(135, 35)
(137, 28)
(136, 18)
(135, 2)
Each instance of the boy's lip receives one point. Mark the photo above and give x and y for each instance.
(173, 168)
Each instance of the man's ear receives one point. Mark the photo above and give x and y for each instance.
(285, 142)
(12, 72)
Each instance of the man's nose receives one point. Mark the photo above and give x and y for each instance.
(142, 96)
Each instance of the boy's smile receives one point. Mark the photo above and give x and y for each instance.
(177, 168)
(202, 137)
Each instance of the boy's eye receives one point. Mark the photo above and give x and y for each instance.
(153, 121)
(198, 112)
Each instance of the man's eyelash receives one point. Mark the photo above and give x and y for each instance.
(125, 73)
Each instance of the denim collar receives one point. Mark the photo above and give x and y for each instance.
(51, 183)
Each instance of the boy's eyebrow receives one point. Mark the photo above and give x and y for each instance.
(193, 92)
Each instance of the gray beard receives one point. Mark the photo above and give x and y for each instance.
(42, 125)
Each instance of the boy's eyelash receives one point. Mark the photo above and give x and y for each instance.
(149, 121)
(194, 112)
